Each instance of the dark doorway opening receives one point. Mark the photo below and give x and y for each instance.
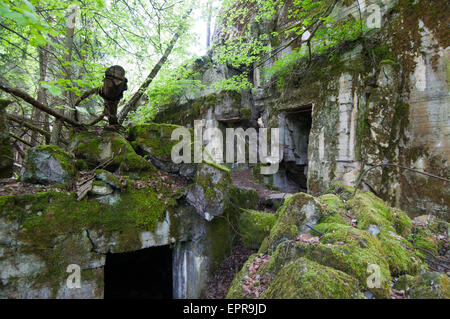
(142, 274)
(299, 122)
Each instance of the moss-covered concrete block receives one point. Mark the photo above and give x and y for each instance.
(153, 140)
(210, 194)
(108, 149)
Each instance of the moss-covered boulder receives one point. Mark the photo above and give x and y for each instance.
(430, 285)
(392, 227)
(371, 210)
(210, 194)
(154, 141)
(429, 235)
(344, 240)
(254, 226)
(306, 279)
(344, 248)
(335, 209)
(108, 149)
(6, 153)
(297, 213)
(46, 165)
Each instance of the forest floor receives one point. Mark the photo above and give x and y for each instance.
(217, 287)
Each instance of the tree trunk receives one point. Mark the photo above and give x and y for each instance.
(133, 103)
(208, 24)
(56, 133)
(43, 61)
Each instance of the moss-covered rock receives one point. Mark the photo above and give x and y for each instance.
(254, 226)
(109, 149)
(101, 189)
(343, 248)
(47, 164)
(400, 254)
(371, 210)
(352, 248)
(297, 211)
(429, 235)
(306, 279)
(211, 190)
(335, 209)
(430, 285)
(154, 141)
(108, 178)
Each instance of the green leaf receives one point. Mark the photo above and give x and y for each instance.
(54, 90)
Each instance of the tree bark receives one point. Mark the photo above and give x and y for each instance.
(56, 132)
(208, 24)
(42, 98)
(133, 103)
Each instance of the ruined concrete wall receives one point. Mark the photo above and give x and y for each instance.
(382, 98)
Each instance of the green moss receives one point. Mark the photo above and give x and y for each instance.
(431, 285)
(108, 178)
(351, 250)
(81, 165)
(425, 241)
(220, 241)
(305, 279)
(211, 100)
(335, 209)
(400, 254)
(290, 217)
(244, 198)
(254, 226)
(109, 149)
(153, 139)
(371, 210)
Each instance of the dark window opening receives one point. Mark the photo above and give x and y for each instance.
(142, 274)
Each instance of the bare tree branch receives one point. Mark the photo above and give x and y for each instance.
(27, 98)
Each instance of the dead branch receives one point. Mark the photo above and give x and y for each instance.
(27, 98)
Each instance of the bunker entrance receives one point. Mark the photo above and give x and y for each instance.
(142, 274)
(294, 166)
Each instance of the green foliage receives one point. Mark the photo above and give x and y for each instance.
(169, 88)
(315, 31)
(132, 33)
